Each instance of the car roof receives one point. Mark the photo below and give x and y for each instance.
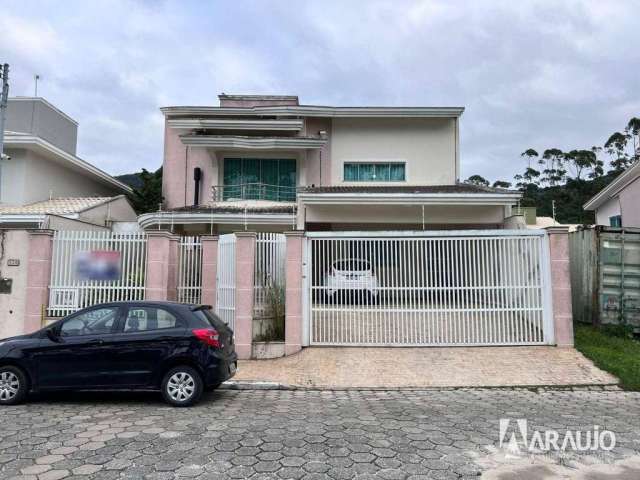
(156, 303)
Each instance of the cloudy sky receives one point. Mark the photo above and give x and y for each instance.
(530, 74)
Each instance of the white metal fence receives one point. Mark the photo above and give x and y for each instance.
(189, 270)
(435, 288)
(269, 267)
(226, 279)
(68, 294)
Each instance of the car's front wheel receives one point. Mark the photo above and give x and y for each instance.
(182, 386)
(13, 385)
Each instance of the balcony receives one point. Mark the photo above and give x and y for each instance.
(254, 191)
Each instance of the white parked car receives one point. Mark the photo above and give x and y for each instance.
(351, 275)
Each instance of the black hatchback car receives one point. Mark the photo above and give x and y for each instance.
(181, 350)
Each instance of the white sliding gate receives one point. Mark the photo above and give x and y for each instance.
(226, 279)
(269, 267)
(67, 293)
(189, 270)
(428, 288)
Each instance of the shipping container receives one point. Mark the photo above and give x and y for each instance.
(605, 275)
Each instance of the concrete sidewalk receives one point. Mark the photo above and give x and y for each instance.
(353, 367)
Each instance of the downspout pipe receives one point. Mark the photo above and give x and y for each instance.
(197, 176)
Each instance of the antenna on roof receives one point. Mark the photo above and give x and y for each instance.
(36, 77)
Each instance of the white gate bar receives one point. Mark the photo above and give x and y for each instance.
(429, 288)
(68, 294)
(226, 279)
(189, 288)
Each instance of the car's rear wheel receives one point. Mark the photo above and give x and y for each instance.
(182, 386)
(13, 385)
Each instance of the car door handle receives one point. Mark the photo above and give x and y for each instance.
(95, 342)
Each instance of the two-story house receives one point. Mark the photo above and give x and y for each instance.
(267, 163)
(43, 183)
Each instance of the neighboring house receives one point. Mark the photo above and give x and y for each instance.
(617, 205)
(40, 142)
(76, 213)
(267, 163)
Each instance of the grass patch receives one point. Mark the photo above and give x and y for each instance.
(612, 350)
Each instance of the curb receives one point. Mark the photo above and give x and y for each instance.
(261, 385)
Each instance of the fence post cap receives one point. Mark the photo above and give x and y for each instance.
(294, 233)
(42, 231)
(209, 238)
(161, 234)
(245, 234)
(557, 229)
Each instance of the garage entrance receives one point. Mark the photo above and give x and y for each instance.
(475, 287)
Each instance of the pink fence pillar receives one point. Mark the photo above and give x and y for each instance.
(209, 269)
(161, 271)
(245, 260)
(38, 276)
(561, 285)
(293, 296)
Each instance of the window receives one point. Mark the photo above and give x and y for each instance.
(93, 322)
(374, 172)
(260, 179)
(615, 221)
(142, 319)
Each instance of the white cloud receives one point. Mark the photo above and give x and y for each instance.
(531, 74)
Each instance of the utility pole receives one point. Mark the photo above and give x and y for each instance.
(4, 96)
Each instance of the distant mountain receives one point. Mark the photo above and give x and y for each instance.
(131, 179)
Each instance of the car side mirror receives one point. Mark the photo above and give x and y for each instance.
(53, 336)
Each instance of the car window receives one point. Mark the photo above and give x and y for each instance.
(352, 265)
(142, 319)
(94, 322)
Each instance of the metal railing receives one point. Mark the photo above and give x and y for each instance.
(253, 191)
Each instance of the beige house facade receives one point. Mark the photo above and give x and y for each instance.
(269, 163)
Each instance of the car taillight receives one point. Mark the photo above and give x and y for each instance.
(209, 336)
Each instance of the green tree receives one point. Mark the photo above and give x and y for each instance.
(554, 172)
(529, 154)
(633, 130)
(148, 197)
(501, 184)
(581, 161)
(616, 146)
(477, 180)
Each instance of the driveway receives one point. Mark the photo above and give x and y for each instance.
(352, 367)
(306, 434)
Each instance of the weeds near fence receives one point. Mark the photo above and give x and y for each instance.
(272, 321)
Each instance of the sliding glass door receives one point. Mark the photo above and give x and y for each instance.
(259, 179)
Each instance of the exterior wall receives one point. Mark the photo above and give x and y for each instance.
(38, 277)
(561, 285)
(317, 163)
(385, 214)
(117, 210)
(15, 245)
(38, 117)
(177, 170)
(608, 209)
(426, 145)
(57, 223)
(629, 203)
(13, 177)
(43, 178)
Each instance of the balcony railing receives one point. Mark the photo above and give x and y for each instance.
(253, 191)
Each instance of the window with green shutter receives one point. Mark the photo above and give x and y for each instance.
(374, 172)
(260, 179)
